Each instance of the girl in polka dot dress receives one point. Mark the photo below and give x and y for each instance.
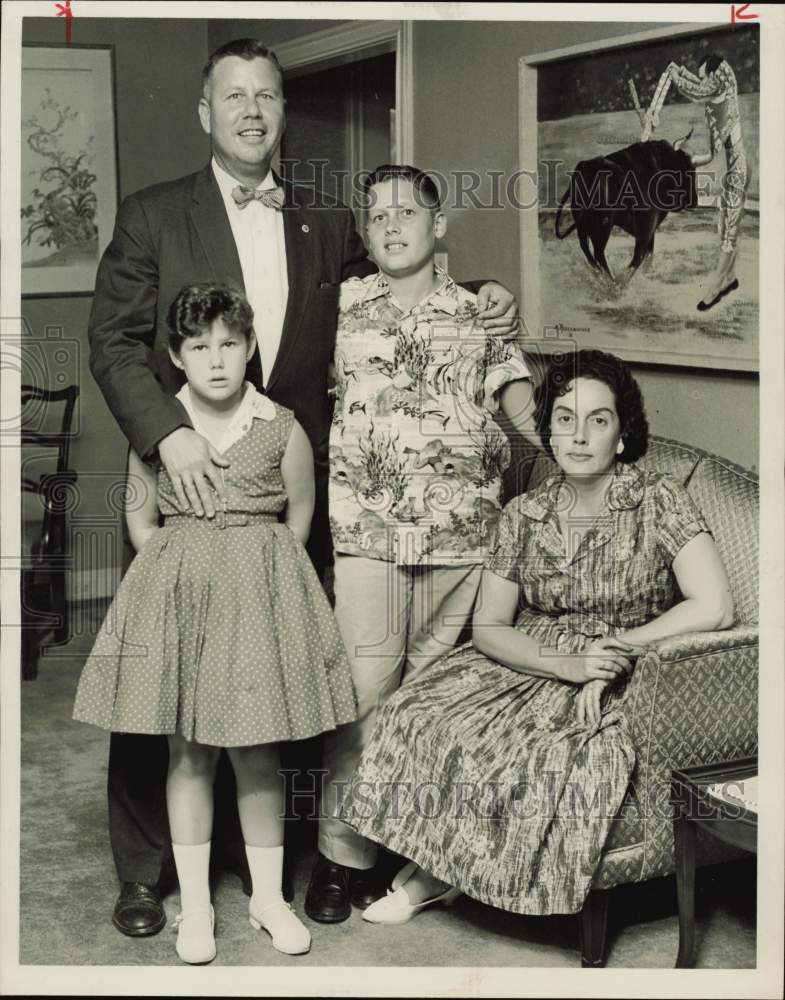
(220, 634)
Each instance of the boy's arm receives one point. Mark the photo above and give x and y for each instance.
(508, 385)
(141, 508)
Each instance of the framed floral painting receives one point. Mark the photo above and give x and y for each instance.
(69, 166)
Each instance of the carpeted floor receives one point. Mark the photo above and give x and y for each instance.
(68, 884)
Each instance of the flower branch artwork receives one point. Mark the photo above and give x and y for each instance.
(69, 172)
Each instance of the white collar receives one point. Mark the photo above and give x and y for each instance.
(252, 406)
(226, 182)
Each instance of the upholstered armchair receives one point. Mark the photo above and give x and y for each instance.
(692, 699)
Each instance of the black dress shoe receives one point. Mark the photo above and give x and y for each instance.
(139, 911)
(367, 886)
(327, 900)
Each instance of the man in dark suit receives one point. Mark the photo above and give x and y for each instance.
(220, 224)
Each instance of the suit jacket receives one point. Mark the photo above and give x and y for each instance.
(176, 233)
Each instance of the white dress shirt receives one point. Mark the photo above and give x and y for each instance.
(261, 247)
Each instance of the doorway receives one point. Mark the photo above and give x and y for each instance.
(340, 124)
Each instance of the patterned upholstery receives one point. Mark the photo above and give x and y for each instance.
(719, 488)
(693, 698)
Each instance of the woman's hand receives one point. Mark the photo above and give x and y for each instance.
(629, 650)
(588, 704)
(603, 659)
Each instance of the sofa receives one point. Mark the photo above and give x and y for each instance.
(692, 699)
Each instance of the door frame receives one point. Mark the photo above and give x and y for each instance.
(358, 40)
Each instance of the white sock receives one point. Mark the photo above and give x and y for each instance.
(268, 907)
(266, 866)
(193, 865)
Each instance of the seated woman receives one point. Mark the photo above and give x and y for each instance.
(500, 771)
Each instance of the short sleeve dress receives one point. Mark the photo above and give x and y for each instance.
(482, 775)
(220, 629)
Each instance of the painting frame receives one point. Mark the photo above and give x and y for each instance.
(546, 322)
(85, 181)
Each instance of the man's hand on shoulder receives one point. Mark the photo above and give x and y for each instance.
(192, 464)
(498, 310)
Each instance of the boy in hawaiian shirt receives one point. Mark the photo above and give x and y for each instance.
(416, 462)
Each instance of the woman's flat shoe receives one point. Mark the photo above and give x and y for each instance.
(195, 939)
(289, 934)
(396, 908)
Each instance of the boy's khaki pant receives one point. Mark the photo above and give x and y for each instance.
(395, 621)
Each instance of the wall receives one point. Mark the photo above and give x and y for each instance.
(468, 119)
(156, 90)
(270, 31)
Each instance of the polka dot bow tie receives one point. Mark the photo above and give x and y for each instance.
(271, 197)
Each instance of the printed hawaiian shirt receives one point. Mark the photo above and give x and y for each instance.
(416, 457)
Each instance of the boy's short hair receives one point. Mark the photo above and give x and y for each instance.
(198, 306)
(423, 184)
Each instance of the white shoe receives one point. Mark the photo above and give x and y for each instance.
(289, 933)
(396, 908)
(195, 940)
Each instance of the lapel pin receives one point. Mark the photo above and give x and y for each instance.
(306, 229)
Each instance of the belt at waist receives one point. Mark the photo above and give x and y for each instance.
(222, 519)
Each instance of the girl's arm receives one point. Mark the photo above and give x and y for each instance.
(494, 635)
(516, 401)
(707, 603)
(298, 481)
(141, 515)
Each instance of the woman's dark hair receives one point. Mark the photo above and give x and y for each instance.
(244, 48)
(198, 306)
(611, 371)
(712, 61)
(423, 184)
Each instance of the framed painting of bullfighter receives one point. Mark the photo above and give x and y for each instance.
(641, 233)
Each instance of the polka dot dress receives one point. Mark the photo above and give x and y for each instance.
(222, 634)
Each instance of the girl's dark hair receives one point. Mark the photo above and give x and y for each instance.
(198, 306)
(611, 371)
(712, 61)
(423, 184)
